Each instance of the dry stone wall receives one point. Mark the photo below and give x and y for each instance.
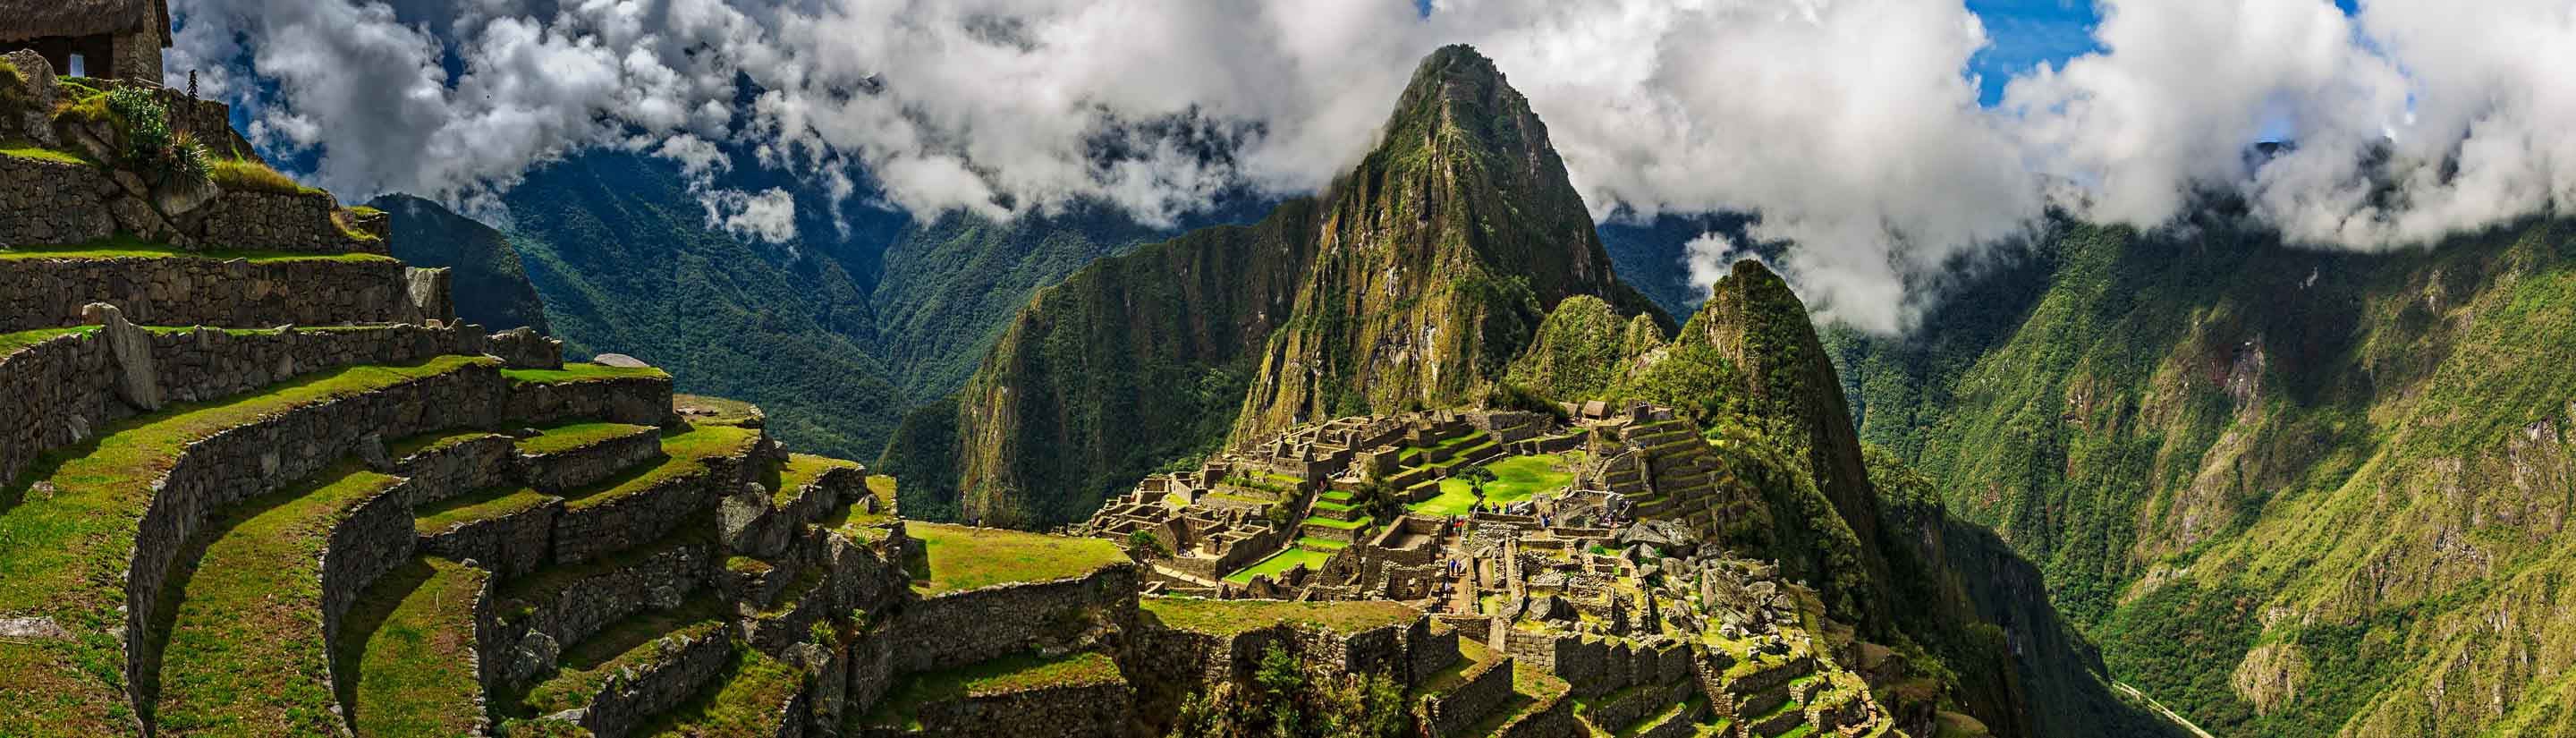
(374, 538)
(67, 386)
(237, 293)
(1008, 618)
(245, 461)
(638, 400)
(52, 202)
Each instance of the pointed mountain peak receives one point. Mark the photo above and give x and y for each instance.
(1459, 101)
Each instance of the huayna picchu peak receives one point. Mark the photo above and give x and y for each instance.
(852, 370)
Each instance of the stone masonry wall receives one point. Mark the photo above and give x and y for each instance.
(637, 400)
(627, 704)
(933, 634)
(374, 538)
(248, 460)
(51, 202)
(178, 291)
(67, 385)
(474, 464)
(583, 606)
(280, 221)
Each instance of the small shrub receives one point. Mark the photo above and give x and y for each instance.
(150, 145)
(1145, 543)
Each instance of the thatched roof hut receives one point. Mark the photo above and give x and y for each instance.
(21, 20)
(115, 38)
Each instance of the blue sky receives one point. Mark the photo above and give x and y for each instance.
(2025, 33)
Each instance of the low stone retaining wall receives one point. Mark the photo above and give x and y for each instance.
(962, 628)
(1556, 721)
(621, 708)
(1429, 650)
(373, 539)
(589, 531)
(51, 202)
(49, 293)
(1453, 712)
(245, 461)
(287, 221)
(1080, 710)
(581, 607)
(573, 468)
(638, 400)
(68, 386)
(510, 545)
(442, 473)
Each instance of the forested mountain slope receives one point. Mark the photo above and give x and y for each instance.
(2290, 492)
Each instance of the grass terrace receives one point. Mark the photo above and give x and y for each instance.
(563, 438)
(244, 650)
(1361, 522)
(1231, 617)
(1533, 691)
(800, 470)
(11, 343)
(704, 410)
(745, 702)
(957, 558)
(1014, 673)
(411, 640)
(688, 453)
(29, 150)
(66, 547)
(420, 444)
(554, 578)
(1516, 478)
(571, 373)
(490, 504)
(131, 247)
(1474, 659)
(630, 644)
(1279, 562)
(1462, 442)
(850, 519)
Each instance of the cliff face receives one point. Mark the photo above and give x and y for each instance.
(2289, 492)
(1409, 282)
(1436, 258)
(491, 287)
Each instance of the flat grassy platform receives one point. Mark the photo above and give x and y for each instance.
(411, 637)
(686, 453)
(800, 470)
(475, 507)
(1279, 562)
(571, 373)
(744, 703)
(64, 549)
(1014, 673)
(1515, 478)
(244, 650)
(572, 436)
(129, 247)
(1230, 617)
(11, 343)
(960, 558)
(851, 520)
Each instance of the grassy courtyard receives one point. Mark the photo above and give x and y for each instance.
(1280, 562)
(1516, 478)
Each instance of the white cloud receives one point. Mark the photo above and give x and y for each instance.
(1850, 126)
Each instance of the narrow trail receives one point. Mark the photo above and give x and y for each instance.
(2160, 709)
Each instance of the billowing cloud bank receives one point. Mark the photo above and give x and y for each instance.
(1851, 126)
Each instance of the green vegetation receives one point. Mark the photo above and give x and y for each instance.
(1231, 617)
(487, 282)
(1288, 700)
(635, 643)
(126, 246)
(1279, 562)
(426, 442)
(69, 541)
(745, 702)
(959, 558)
(244, 650)
(573, 436)
(490, 504)
(11, 343)
(572, 373)
(249, 175)
(407, 650)
(1516, 478)
(1014, 673)
(850, 518)
(150, 145)
(28, 150)
(800, 470)
(687, 453)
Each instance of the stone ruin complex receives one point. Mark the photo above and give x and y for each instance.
(256, 479)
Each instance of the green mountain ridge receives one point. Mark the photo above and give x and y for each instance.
(2290, 492)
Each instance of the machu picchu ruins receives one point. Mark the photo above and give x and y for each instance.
(261, 480)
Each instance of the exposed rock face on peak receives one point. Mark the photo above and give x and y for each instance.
(1436, 258)
(1754, 320)
(1410, 282)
